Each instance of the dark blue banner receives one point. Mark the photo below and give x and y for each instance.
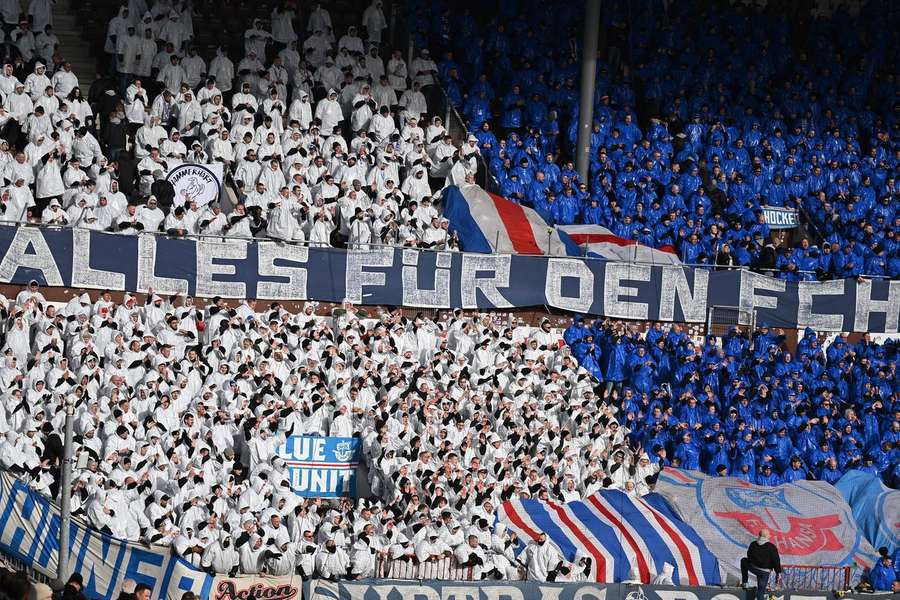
(272, 270)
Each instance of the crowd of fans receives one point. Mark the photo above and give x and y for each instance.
(703, 115)
(180, 411)
(327, 140)
(321, 138)
(180, 408)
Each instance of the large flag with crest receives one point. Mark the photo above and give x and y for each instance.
(810, 522)
(200, 183)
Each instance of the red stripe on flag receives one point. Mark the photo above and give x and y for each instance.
(596, 554)
(600, 238)
(516, 520)
(676, 538)
(642, 563)
(677, 475)
(518, 227)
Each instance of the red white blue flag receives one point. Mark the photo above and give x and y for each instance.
(598, 241)
(489, 223)
(619, 533)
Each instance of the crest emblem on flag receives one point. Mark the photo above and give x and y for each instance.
(751, 499)
(343, 452)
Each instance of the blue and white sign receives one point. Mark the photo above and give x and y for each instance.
(29, 532)
(407, 277)
(780, 218)
(323, 467)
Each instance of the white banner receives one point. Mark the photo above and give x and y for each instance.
(319, 589)
(267, 269)
(29, 523)
(196, 183)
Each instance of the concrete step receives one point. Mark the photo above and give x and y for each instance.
(72, 44)
(83, 67)
(79, 58)
(74, 40)
(71, 51)
(63, 21)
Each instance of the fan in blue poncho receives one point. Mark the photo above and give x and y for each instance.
(882, 576)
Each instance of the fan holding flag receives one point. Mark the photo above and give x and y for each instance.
(544, 561)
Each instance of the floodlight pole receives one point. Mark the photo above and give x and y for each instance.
(588, 79)
(65, 499)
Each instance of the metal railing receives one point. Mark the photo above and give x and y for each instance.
(444, 569)
(809, 577)
(14, 564)
(794, 577)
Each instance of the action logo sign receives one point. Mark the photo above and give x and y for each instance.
(252, 587)
(810, 522)
(323, 467)
(196, 183)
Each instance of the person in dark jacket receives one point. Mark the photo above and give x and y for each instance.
(724, 258)
(14, 586)
(164, 191)
(762, 558)
(113, 134)
(74, 588)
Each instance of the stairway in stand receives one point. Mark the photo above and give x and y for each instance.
(72, 44)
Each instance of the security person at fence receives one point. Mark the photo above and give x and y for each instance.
(762, 558)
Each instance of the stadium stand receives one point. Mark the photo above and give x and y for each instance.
(319, 142)
(701, 119)
(180, 410)
(716, 157)
(327, 135)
